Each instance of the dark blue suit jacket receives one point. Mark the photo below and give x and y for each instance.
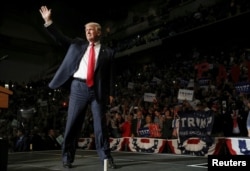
(22, 144)
(104, 73)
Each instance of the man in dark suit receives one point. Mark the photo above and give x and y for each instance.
(50, 140)
(137, 123)
(74, 68)
(22, 143)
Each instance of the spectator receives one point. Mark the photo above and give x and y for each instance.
(115, 124)
(137, 123)
(50, 140)
(36, 140)
(157, 117)
(248, 121)
(126, 126)
(22, 142)
(126, 130)
(167, 128)
(154, 128)
(175, 123)
(247, 104)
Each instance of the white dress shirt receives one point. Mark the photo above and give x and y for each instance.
(82, 70)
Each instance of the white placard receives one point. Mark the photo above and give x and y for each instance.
(157, 80)
(131, 85)
(149, 97)
(185, 94)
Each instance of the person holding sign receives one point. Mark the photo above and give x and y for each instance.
(137, 123)
(154, 129)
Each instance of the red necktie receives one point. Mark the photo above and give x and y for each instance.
(91, 66)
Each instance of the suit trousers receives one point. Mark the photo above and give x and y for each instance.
(81, 96)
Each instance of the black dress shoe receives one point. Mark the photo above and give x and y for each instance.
(67, 165)
(112, 164)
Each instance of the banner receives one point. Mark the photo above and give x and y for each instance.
(116, 144)
(147, 145)
(195, 145)
(192, 145)
(59, 139)
(204, 82)
(238, 146)
(86, 143)
(28, 113)
(196, 125)
(143, 132)
(131, 85)
(243, 87)
(153, 131)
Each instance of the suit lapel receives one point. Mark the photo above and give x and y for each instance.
(101, 56)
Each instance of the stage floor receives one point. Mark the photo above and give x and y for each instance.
(87, 160)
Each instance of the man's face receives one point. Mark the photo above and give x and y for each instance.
(19, 133)
(92, 34)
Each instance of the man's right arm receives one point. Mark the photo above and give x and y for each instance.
(56, 35)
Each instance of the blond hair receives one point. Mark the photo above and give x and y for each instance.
(96, 25)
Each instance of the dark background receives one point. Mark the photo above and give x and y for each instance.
(26, 51)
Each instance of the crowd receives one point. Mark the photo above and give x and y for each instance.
(214, 84)
(164, 24)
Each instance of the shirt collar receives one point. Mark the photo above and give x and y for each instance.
(96, 43)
